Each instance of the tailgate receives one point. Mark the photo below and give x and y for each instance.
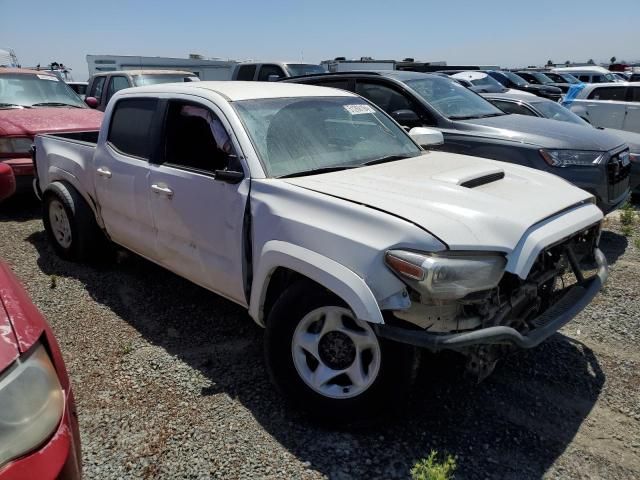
(68, 157)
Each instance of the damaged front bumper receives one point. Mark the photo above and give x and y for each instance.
(549, 322)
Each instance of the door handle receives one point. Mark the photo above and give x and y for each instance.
(160, 189)
(103, 172)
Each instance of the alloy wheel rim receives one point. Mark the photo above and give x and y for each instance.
(335, 354)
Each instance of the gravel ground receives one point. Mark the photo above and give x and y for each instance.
(170, 383)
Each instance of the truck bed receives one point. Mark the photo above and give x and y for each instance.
(67, 157)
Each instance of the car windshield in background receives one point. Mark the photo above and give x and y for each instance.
(141, 80)
(517, 79)
(35, 90)
(609, 77)
(555, 111)
(488, 83)
(541, 77)
(452, 99)
(302, 135)
(298, 69)
(569, 78)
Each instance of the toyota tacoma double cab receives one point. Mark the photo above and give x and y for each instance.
(352, 245)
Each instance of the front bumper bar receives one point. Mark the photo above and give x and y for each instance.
(548, 323)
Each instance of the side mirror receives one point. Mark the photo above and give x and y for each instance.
(426, 136)
(92, 102)
(405, 117)
(273, 77)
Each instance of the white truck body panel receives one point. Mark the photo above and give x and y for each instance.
(617, 114)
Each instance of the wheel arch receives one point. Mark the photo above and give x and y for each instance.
(282, 263)
(68, 180)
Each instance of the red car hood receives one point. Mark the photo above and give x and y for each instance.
(21, 324)
(29, 122)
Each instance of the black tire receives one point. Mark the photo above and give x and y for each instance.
(87, 239)
(387, 393)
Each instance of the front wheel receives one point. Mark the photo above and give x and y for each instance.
(332, 364)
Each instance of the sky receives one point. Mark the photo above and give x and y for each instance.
(506, 33)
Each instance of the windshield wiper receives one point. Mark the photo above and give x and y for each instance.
(317, 171)
(386, 158)
(11, 105)
(55, 104)
(469, 117)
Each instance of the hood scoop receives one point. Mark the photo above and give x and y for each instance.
(471, 177)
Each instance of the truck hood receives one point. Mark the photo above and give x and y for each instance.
(32, 121)
(542, 132)
(427, 191)
(632, 139)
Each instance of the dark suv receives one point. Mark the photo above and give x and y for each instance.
(593, 160)
(512, 80)
(540, 78)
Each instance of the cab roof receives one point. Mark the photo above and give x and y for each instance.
(26, 71)
(238, 90)
(145, 72)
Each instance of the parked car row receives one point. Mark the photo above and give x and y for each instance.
(355, 223)
(596, 161)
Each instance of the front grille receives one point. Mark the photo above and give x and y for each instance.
(549, 282)
(618, 171)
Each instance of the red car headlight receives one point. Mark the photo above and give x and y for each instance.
(11, 146)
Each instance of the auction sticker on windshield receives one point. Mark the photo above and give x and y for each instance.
(48, 77)
(358, 109)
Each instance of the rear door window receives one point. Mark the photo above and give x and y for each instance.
(268, 70)
(608, 93)
(246, 72)
(116, 84)
(635, 94)
(386, 98)
(511, 107)
(130, 131)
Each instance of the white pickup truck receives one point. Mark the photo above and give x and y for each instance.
(313, 209)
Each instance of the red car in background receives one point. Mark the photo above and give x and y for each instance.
(33, 102)
(7, 181)
(39, 436)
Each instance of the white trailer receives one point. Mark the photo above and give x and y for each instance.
(205, 69)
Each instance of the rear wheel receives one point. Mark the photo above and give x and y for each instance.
(330, 363)
(70, 223)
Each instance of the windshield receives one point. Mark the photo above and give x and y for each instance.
(555, 111)
(569, 78)
(488, 84)
(609, 77)
(541, 77)
(452, 99)
(298, 69)
(152, 79)
(29, 90)
(294, 135)
(517, 79)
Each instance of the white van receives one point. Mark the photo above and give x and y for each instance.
(589, 74)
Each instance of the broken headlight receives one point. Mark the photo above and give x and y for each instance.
(447, 276)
